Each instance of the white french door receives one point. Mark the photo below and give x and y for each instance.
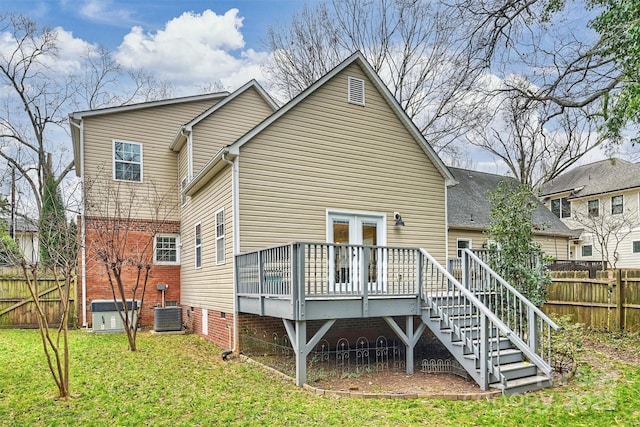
(345, 261)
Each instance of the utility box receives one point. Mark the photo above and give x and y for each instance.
(105, 316)
(167, 319)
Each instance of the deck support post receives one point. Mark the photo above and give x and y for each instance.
(297, 332)
(408, 338)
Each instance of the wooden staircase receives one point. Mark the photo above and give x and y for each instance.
(498, 337)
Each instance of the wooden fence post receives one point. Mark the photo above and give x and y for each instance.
(620, 302)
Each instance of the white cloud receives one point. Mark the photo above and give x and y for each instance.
(102, 11)
(193, 49)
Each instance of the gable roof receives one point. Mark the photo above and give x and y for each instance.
(359, 59)
(180, 137)
(468, 204)
(600, 177)
(76, 118)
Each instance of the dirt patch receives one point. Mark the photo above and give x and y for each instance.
(400, 383)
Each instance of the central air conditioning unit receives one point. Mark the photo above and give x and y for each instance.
(167, 319)
(105, 316)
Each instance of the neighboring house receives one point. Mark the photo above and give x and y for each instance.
(25, 234)
(324, 216)
(600, 199)
(469, 214)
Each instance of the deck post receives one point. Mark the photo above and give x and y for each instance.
(409, 347)
(408, 338)
(298, 336)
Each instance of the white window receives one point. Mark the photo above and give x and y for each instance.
(463, 244)
(356, 90)
(617, 204)
(127, 161)
(636, 247)
(594, 208)
(198, 245)
(183, 197)
(561, 207)
(166, 249)
(587, 250)
(220, 237)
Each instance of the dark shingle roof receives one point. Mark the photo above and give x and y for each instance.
(596, 178)
(468, 203)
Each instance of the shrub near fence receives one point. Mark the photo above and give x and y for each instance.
(17, 309)
(611, 301)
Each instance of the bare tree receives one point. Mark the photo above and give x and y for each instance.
(121, 221)
(533, 146)
(413, 45)
(41, 88)
(608, 230)
(59, 264)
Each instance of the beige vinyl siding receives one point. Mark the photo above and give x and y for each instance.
(329, 154)
(557, 247)
(226, 125)
(211, 286)
(154, 128)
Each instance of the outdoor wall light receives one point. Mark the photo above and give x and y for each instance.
(399, 221)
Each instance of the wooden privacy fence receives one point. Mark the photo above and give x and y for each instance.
(17, 309)
(611, 301)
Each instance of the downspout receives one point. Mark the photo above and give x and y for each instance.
(235, 226)
(83, 254)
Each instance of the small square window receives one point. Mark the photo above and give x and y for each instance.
(636, 247)
(587, 250)
(166, 249)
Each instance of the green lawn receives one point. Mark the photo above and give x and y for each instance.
(182, 381)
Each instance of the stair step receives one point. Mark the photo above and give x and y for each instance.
(516, 370)
(523, 385)
(509, 355)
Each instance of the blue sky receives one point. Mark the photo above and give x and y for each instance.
(187, 42)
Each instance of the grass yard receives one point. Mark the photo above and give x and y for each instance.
(182, 381)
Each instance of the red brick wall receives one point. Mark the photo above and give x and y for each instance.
(97, 281)
(220, 326)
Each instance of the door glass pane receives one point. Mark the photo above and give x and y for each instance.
(341, 237)
(370, 238)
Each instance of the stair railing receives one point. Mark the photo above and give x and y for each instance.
(524, 319)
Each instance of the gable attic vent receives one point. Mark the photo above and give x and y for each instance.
(356, 91)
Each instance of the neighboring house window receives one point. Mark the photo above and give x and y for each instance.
(636, 247)
(198, 245)
(594, 207)
(166, 249)
(561, 207)
(587, 250)
(127, 161)
(463, 244)
(356, 91)
(183, 197)
(617, 203)
(220, 237)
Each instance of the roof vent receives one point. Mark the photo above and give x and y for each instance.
(356, 91)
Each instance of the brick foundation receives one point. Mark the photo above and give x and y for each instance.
(97, 282)
(219, 326)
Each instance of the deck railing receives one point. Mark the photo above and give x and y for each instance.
(325, 270)
(524, 319)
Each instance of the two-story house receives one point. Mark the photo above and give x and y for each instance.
(326, 215)
(600, 201)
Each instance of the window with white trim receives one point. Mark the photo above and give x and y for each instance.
(594, 208)
(636, 247)
(587, 250)
(617, 204)
(561, 207)
(166, 249)
(183, 197)
(356, 90)
(463, 244)
(127, 161)
(220, 237)
(198, 245)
